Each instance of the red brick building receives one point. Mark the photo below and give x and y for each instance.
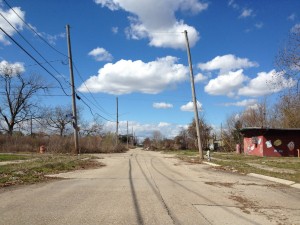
(271, 142)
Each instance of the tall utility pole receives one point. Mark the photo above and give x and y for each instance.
(221, 135)
(117, 125)
(31, 125)
(127, 134)
(132, 136)
(76, 150)
(194, 95)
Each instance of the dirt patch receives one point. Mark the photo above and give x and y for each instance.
(245, 204)
(227, 169)
(92, 164)
(220, 184)
(261, 185)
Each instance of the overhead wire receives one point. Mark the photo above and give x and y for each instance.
(46, 61)
(45, 41)
(91, 111)
(52, 61)
(45, 95)
(30, 27)
(40, 64)
(98, 105)
(24, 50)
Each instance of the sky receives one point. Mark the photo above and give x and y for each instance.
(136, 51)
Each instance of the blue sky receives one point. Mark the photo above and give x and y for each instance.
(136, 50)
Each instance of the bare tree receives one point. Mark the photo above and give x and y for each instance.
(93, 128)
(157, 138)
(17, 100)
(147, 143)
(256, 115)
(205, 133)
(286, 111)
(288, 58)
(231, 134)
(58, 119)
(181, 140)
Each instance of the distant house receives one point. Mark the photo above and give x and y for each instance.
(271, 142)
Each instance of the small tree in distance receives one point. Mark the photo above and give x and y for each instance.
(57, 119)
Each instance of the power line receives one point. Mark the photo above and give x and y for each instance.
(57, 60)
(46, 61)
(94, 104)
(98, 105)
(16, 87)
(40, 64)
(30, 27)
(91, 111)
(46, 95)
(33, 59)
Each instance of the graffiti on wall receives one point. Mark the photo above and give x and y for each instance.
(253, 144)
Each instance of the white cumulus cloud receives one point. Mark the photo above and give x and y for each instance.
(162, 105)
(52, 39)
(156, 20)
(11, 68)
(226, 84)
(127, 76)
(263, 84)
(296, 28)
(115, 30)
(199, 78)
(143, 130)
(163, 124)
(100, 54)
(227, 63)
(292, 17)
(13, 19)
(189, 107)
(246, 13)
(243, 103)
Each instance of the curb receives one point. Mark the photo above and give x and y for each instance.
(211, 164)
(296, 185)
(273, 179)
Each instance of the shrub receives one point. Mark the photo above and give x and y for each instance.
(58, 144)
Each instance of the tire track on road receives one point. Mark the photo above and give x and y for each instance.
(199, 195)
(156, 191)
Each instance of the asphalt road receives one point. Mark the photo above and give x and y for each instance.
(140, 187)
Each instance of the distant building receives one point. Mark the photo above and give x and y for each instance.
(271, 142)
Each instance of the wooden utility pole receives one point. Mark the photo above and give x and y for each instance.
(117, 125)
(221, 135)
(31, 125)
(127, 135)
(132, 136)
(74, 111)
(194, 95)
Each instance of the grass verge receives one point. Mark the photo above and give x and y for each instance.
(12, 157)
(287, 168)
(33, 171)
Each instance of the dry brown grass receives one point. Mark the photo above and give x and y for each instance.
(58, 144)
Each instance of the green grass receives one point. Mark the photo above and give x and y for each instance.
(281, 167)
(188, 153)
(33, 171)
(12, 157)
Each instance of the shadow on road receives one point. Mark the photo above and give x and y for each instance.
(134, 198)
